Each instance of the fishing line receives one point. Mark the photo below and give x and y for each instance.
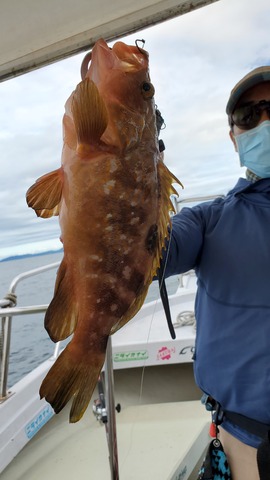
(141, 384)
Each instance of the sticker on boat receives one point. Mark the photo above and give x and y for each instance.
(131, 356)
(38, 421)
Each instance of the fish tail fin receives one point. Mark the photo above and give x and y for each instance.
(89, 113)
(72, 377)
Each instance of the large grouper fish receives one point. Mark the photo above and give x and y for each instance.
(112, 194)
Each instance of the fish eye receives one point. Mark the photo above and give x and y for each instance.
(148, 90)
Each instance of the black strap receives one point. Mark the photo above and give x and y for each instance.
(252, 426)
(165, 301)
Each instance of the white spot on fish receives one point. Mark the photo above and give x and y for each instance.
(134, 220)
(114, 166)
(112, 280)
(108, 186)
(92, 275)
(126, 272)
(98, 300)
(109, 228)
(109, 215)
(123, 237)
(133, 204)
(113, 307)
(94, 257)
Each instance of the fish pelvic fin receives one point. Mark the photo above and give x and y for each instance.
(62, 314)
(89, 113)
(46, 193)
(73, 378)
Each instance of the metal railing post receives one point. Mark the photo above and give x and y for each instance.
(4, 355)
(110, 404)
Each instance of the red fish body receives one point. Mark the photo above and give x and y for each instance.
(112, 195)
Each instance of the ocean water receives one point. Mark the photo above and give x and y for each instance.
(30, 344)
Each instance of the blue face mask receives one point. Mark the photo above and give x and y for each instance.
(254, 149)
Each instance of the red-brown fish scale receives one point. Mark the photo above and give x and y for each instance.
(113, 211)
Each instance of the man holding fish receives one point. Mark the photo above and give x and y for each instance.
(227, 242)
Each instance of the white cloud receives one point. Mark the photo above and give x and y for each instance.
(195, 60)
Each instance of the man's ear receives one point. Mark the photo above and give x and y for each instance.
(232, 137)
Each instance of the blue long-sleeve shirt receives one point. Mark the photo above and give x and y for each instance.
(227, 242)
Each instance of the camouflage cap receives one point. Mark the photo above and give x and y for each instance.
(258, 75)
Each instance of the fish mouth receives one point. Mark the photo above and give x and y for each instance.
(127, 57)
(119, 74)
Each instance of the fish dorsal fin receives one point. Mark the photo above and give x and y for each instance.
(46, 193)
(61, 315)
(166, 179)
(89, 113)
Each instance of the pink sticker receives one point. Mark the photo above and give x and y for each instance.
(165, 353)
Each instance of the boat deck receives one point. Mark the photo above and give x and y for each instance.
(147, 437)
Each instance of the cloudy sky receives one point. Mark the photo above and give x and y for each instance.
(195, 60)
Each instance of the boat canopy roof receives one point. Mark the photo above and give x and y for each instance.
(35, 33)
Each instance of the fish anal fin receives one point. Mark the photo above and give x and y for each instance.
(89, 113)
(61, 315)
(73, 375)
(45, 195)
(133, 309)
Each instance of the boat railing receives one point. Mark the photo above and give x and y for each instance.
(9, 309)
(180, 202)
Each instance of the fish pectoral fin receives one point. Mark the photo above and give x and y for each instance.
(73, 375)
(46, 193)
(89, 113)
(62, 314)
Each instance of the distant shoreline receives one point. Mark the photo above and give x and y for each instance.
(27, 255)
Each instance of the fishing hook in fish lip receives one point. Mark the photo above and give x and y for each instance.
(139, 48)
(85, 64)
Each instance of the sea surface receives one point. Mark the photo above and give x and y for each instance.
(30, 344)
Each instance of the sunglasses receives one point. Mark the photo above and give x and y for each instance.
(248, 116)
